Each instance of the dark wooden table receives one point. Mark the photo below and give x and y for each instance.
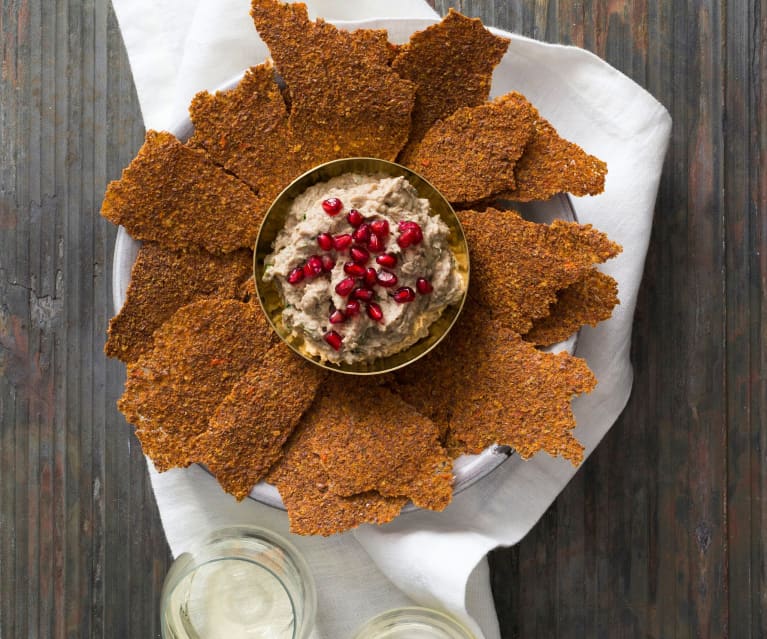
(661, 533)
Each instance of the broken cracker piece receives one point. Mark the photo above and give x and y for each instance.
(451, 64)
(518, 266)
(471, 154)
(552, 165)
(313, 509)
(162, 281)
(176, 196)
(372, 440)
(346, 100)
(247, 431)
(197, 356)
(590, 300)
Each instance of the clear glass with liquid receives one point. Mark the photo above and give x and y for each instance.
(412, 623)
(240, 582)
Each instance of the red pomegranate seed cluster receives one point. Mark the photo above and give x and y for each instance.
(365, 239)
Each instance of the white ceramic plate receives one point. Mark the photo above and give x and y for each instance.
(468, 468)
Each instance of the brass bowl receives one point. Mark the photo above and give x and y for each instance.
(274, 221)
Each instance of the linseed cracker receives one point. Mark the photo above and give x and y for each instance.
(345, 99)
(247, 431)
(372, 440)
(176, 196)
(518, 266)
(198, 355)
(451, 64)
(590, 300)
(471, 154)
(162, 281)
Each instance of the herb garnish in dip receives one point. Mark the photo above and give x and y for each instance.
(363, 267)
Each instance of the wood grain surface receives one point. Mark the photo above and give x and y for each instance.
(660, 534)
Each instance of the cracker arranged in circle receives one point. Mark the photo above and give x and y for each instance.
(372, 440)
(197, 356)
(552, 165)
(471, 154)
(313, 508)
(590, 300)
(162, 281)
(496, 388)
(245, 130)
(451, 64)
(518, 266)
(177, 196)
(346, 100)
(247, 431)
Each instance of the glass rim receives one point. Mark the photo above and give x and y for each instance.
(445, 621)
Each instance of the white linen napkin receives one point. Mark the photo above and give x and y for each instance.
(179, 47)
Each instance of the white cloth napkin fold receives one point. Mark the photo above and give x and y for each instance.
(179, 47)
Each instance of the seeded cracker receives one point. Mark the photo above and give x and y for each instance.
(451, 64)
(248, 429)
(551, 165)
(590, 300)
(518, 266)
(372, 440)
(499, 389)
(313, 509)
(345, 99)
(162, 281)
(246, 131)
(471, 154)
(176, 196)
(198, 355)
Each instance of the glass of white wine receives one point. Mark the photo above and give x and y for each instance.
(240, 582)
(412, 623)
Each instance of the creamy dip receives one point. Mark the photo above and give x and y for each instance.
(411, 271)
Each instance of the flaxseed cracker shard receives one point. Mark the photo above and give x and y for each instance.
(451, 64)
(198, 355)
(590, 300)
(162, 281)
(372, 440)
(345, 98)
(551, 165)
(245, 130)
(510, 393)
(247, 431)
(518, 266)
(176, 196)
(471, 154)
(313, 509)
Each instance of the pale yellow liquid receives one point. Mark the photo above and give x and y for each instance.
(231, 599)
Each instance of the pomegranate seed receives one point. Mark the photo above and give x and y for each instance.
(296, 275)
(387, 279)
(380, 228)
(352, 308)
(388, 260)
(371, 277)
(313, 266)
(337, 317)
(325, 241)
(410, 237)
(334, 339)
(359, 254)
(363, 294)
(345, 286)
(342, 242)
(362, 234)
(374, 311)
(407, 224)
(404, 294)
(327, 263)
(424, 286)
(375, 244)
(332, 206)
(354, 217)
(355, 270)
